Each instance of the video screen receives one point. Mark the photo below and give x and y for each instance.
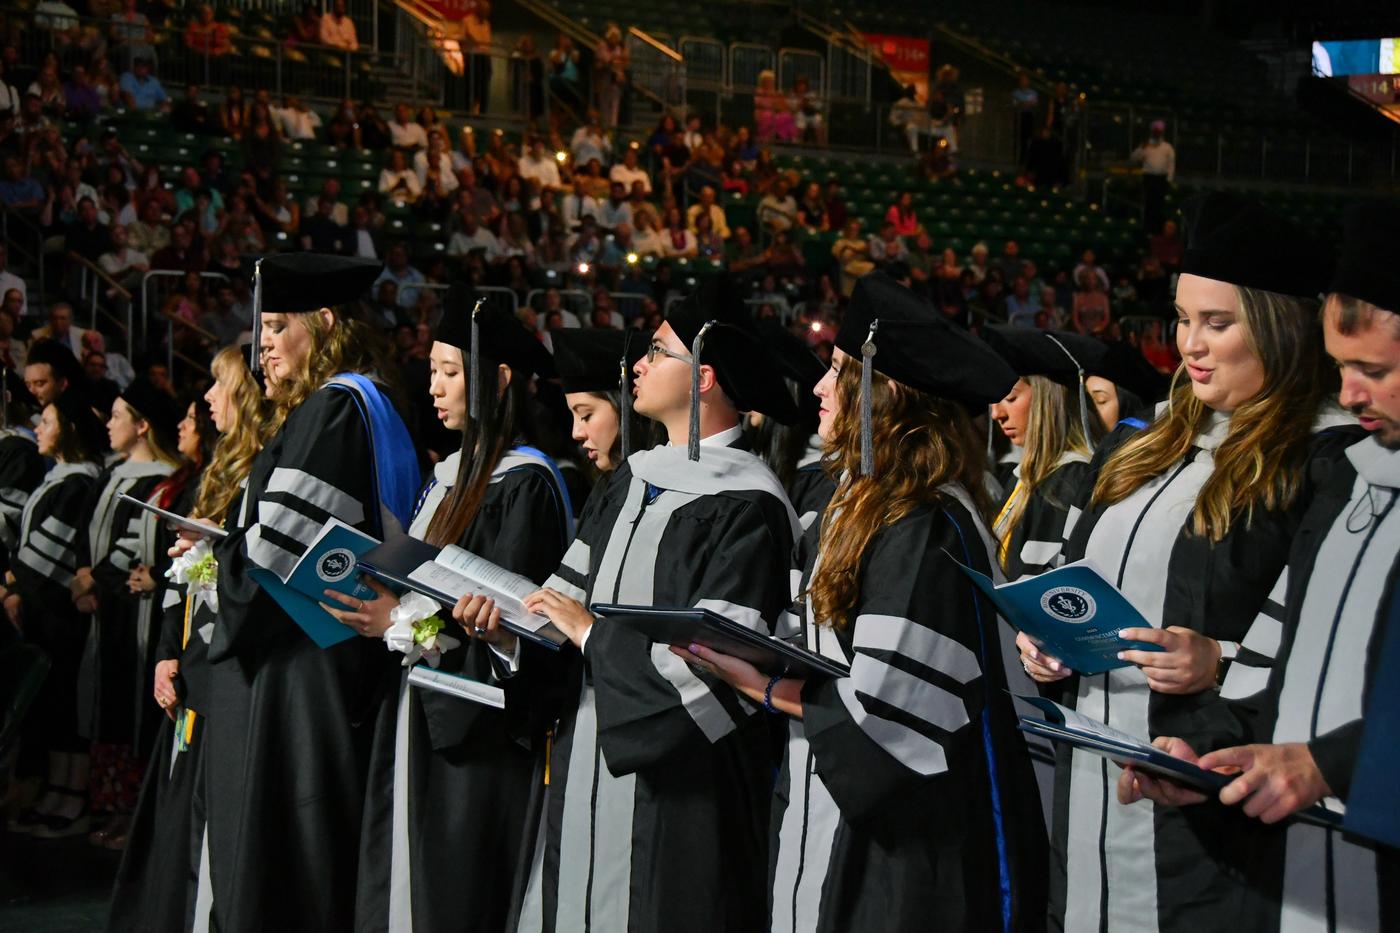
(1335, 58)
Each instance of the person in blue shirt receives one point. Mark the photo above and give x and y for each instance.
(1021, 305)
(141, 89)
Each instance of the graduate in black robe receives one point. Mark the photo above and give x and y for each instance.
(660, 776)
(1297, 741)
(288, 741)
(1124, 387)
(22, 468)
(453, 783)
(1047, 416)
(1198, 581)
(906, 796)
(122, 547)
(795, 451)
(42, 567)
(157, 881)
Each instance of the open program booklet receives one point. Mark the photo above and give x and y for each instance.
(448, 574)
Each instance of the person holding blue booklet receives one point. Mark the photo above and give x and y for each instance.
(1191, 519)
(453, 784)
(289, 740)
(906, 798)
(1298, 739)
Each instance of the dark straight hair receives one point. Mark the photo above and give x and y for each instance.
(485, 441)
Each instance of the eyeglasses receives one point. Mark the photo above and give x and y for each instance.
(657, 349)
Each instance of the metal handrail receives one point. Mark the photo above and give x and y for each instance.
(90, 268)
(655, 43)
(170, 320)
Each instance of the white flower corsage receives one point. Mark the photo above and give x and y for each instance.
(199, 571)
(415, 631)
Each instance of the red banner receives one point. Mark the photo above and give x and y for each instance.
(907, 57)
(450, 10)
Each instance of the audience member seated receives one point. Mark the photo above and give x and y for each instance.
(706, 207)
(131, 34)
(319, 231)
(1021, 306)
(223, 318)
(405, 277)
(903, 215)
(338, 30)
(1090, 313)
(60, 329)
(778, 210)
(887, 247)
(629, 172)
(296, 120)
(404, 131)
(852, 254)
(207, 36)
(142, 90)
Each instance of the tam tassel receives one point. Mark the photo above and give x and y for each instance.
(867, 369)
(474, 366)
(698, 344)
(1083, 392)
(255, 359)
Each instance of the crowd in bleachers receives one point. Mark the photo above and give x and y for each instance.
(582, 224)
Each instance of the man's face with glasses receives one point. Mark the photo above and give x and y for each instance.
(662, 385)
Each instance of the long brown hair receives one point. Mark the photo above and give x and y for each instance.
(1262, 460)
(345, 345)
(1052, 430)
(920, 442)
(234, 451)
(484, 441)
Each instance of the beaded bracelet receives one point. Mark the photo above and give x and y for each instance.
(768, 693)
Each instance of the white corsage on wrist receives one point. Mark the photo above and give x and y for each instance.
(199, 571)
(415, 631)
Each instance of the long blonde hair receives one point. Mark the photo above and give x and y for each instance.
(920, 442)
(236, 447)
(1262, 460)
(1052, 430)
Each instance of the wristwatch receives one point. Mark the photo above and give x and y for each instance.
(1229, 650)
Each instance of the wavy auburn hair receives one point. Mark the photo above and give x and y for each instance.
(921, 441)
(235, 449)
(1262, 461)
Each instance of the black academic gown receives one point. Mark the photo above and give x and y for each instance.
(811, 488)
(21, 471)
(1339, 588)
(453, 818)
(1144, 868)
(157, 881)
(121, 536)
(906, 796)
(1037, 541)
(660, 776)
(44, 564)
(289, 738)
